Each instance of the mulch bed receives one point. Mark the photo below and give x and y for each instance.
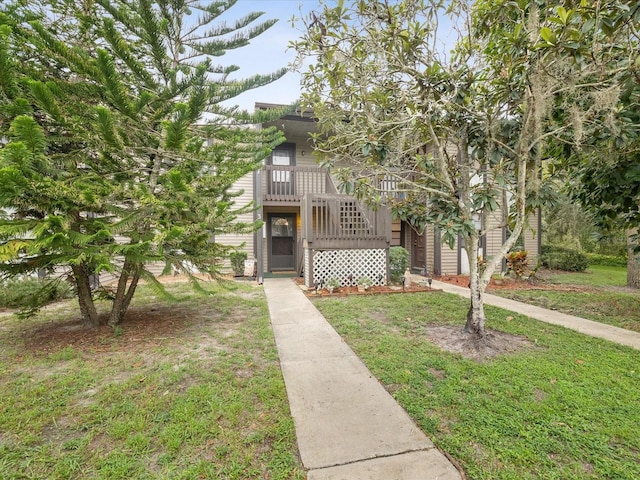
(375, 290)
(513, 284)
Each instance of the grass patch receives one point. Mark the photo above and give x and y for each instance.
(564, 408)
(613, 308)
(604, 299)
(26, 292)
(594, 276)
(187, 389)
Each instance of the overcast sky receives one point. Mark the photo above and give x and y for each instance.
(268, 52)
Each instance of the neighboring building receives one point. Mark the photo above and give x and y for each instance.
(314, 231)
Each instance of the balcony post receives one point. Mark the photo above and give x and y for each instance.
(258, 198)
(307, 218)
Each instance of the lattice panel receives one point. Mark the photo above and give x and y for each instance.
(348, 266)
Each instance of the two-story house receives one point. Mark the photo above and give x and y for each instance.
(311, 229)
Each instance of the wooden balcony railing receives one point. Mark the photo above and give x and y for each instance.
(340, 221)
(285, 183)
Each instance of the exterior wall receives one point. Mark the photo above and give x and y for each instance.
(449, 259)
(396, 234)
(494, 235)
(408, 244)
(234, 239)
(303, 145)
(431, 250)
(532, 238)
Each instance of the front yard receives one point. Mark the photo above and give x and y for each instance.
(192, 388)
(560, 406)
(182, 390)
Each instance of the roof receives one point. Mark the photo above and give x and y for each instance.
(297, 115)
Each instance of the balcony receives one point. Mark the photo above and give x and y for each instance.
(286, 184)
(329, 220)
(332, 221)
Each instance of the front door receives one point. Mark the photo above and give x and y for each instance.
(418, 251)
(282, 241)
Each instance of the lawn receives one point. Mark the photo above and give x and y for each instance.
(601, 296)
(564, 407)
(594, 276)
(182, 390)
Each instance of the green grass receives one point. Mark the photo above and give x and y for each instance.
(594, 276)
(606, 301)
(565, 408)
(613, 308)
(195, 393)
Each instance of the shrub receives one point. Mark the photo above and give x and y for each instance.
(518, 263)
(606, 260)
(28, 292)
(237, 262)
(398, 263)
(332, 284)
(561, 258)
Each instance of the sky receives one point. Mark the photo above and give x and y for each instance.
(268, 52)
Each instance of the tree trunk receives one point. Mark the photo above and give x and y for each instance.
(475, 316)
(122, 300)
(633, 262)
(88, 311)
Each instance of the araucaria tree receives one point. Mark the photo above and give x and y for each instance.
(458, 135)
(117, 151)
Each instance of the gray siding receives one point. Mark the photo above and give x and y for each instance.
(493, 227)
(234, 239)
(449, 259)
(531, 234)
(430, 233)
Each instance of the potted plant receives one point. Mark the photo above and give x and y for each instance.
(332, 284)
(364, 284)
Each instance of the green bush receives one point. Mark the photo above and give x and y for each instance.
(561, 258)
(606, 260)
(398, 263)
(237, 262)
(27, 292)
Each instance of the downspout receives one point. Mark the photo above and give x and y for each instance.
(505, 226)
(258, 215)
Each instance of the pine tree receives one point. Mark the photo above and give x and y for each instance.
(119, 152)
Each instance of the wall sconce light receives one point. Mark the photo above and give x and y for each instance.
(302, 152)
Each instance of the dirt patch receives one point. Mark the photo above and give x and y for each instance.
(143, 326)
(539, 395)
(151, 325)
(455, 340)
(437, 373)
(380, 317)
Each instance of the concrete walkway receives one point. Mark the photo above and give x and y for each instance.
(347, 425)
(582, 325)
